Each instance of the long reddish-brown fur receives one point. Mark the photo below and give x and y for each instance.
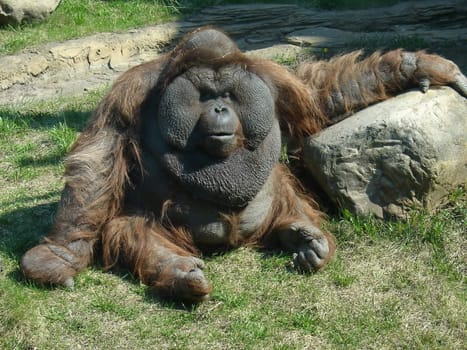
(106, 160)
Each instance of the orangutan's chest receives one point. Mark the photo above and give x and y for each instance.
(209, 223)
(210, 226)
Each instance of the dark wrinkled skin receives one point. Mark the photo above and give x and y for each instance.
(196, 138)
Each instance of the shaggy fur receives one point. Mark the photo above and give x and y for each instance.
(113, 209)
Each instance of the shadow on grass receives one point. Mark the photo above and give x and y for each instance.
(151, 297)
(49, 159)
(21, 229)
(24, 228)
(13, 120)
(49, 133)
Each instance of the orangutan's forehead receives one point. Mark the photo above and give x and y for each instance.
(215, 78)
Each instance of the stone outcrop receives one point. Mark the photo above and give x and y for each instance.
(79, 65)
(18, 11)
(406, 152)
(259, 23)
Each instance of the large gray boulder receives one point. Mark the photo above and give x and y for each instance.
(19, 11)
(409, 151)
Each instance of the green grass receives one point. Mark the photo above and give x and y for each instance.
(75, 18)
(396, 284)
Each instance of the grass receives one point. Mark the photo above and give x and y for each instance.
(392, 285)
(75, 18)
(398, 284)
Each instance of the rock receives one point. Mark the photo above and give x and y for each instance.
(26, 67)
(279, 53)
(265, 21)
(409, 151)
(330, 38)
(323, 37)
(64, 69)
(19, 11)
